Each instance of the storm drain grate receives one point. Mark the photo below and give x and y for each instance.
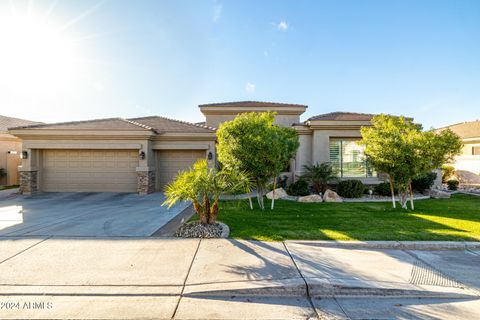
(424, 274)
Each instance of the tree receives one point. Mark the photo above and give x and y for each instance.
(399, 147)
(252, 143)
(318, 175)
(203, 186)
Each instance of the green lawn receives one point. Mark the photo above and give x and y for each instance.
(8, 187)
(457, 218)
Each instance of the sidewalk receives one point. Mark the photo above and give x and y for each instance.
(119, 278)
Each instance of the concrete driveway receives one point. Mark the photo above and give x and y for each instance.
(85, 214)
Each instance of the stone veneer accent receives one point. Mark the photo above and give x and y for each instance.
(145, 182)
(28, 182)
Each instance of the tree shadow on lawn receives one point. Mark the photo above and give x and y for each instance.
(455, 219)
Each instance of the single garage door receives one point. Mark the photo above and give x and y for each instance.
(89, 170)
(169, 162)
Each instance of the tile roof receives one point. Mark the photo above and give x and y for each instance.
(8, 122)
(343, 116)
(252, 104)
(153, 123)
(95, 124)
(465, 130)
(163, 124)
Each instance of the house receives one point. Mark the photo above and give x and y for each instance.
(469, 159)
(10, 149)
(144, 154)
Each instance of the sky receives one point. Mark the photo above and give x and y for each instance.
(74, 60)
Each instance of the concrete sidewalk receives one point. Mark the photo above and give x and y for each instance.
(146, 278)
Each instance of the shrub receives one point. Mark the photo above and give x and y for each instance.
(350, 189)
(452, 184)
(298, 188)
(383, 189)
(447, 173)
(424, 182)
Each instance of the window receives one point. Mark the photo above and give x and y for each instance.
(348, 159)
(476, 151)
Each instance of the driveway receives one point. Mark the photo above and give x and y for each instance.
(86, 214)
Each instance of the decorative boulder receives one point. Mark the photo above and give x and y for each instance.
(438, 194)
(331, 196)
(311, 198)
(279, 194)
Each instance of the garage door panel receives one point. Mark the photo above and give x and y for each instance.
(89, 170)
(170, 162)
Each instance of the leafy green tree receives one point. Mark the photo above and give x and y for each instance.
(252, 143)
(399, 147)
(319, 175)
(203, 186)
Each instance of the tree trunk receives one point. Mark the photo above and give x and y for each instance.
(411, 197)
(250, 201)
(403, 193)
(260, 196)
(213, 213)
(393, 193)
(199, 210)
(206, 206)
(273, 193)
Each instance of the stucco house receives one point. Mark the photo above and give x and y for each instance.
(143, 154)
(469, 159)
(10, 149)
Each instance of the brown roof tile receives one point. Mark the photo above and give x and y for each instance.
(252, 104)
(343, 116)
(95, 124)
(9, 122)
(163, 124)
(465, 130)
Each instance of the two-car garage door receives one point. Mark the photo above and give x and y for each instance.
(74, 170)
(89, 170)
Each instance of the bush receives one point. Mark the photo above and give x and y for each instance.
(447, 173)
(298, 188)
(383, 189)
(453, 184)
(424, 182)
(350, 189)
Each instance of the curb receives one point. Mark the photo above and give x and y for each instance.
(396, 245)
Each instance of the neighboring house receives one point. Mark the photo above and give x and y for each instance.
(144, 154)
(10, 148)
(469, 159)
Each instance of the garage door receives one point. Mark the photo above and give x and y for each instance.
(89, 170)
(169, 162)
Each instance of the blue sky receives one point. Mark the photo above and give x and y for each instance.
(135, 58)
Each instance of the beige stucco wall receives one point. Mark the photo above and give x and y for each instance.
(214, 120)
(304, 153)
(466, 160)
(10, 162)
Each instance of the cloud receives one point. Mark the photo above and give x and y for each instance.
(250, 87)
(217, 12)
(282, 26)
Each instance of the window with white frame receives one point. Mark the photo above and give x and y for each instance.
(348, 158)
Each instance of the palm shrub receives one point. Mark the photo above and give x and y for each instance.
(203, 186)
(319, 175)
(350, 189)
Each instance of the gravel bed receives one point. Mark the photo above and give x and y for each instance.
(377, 198)
(195, 229)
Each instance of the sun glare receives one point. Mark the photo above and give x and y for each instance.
(35, 56)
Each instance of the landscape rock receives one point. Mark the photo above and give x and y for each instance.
(331, 196)
(311, 198)
(438, 194)
(196, 229)
(279, 194)
(467, 177)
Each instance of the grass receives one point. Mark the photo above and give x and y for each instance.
(8, 187)
(457, 219)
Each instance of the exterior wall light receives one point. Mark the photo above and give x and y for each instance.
(210, 155)
(12, 152)
(24, 155)
(141, 155)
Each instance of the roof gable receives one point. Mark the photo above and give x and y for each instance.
(96, 124)
(162, 124)
(465, 130)
(343, 116)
